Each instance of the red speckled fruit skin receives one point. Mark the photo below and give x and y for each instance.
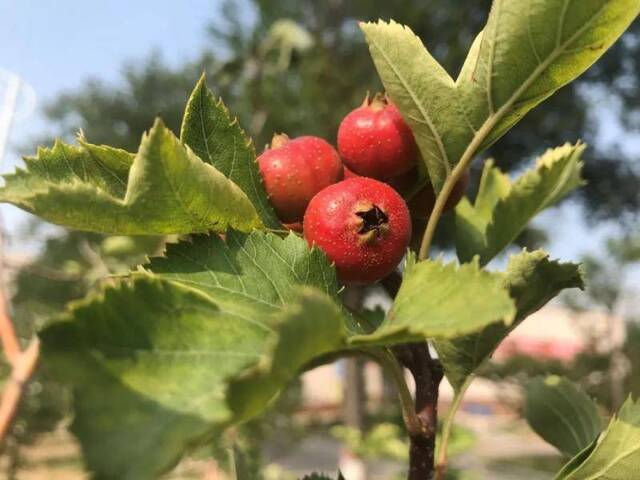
(296, 171)
(331, 224)
(377, 143)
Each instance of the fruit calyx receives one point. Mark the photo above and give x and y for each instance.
(373, 223)
(279, 140)
(377, 103)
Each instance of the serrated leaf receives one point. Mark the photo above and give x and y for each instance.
(218, 139)
(503, 208)
(160, 363)
(474, 299)
(616, 454)
(531, 280)
(165, 188)
(525, 53)
(562, 414)
(252, 275)
(310, 327)
(423, 91)
(147, 362)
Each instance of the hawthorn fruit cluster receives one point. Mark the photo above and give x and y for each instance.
(348, 201)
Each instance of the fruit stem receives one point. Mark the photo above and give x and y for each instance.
(393, 367)
(438, 208)
(441, 465)
(456, 173)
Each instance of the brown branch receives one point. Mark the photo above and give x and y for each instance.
(22, 363)
(427, 374)
(23, 367)
(8, 336)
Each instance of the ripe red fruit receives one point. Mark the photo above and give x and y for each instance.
(295, 170)
(374, 140)
(363, 226)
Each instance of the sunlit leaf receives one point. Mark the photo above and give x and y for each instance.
(503, 208)
(164, 361)
(165, 188)
(531, 280)
(615, 455)
(438, 300)
(216, 137)
(526, 52)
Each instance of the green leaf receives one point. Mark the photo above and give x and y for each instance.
(503, 208)
(160, 363)
(562, 414)
(165, 188)
(423, 91)
(438, 300)
(251, 275)
(531, 280)
(308, 328)
(217, 138)
(576, 461)
(616, 455)
(239, 466)
(525, 53)
(147, 362)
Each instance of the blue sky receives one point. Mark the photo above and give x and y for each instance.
(56, 45)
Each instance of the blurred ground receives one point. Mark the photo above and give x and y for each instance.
(505, 450)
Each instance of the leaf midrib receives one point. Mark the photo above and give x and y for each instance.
(493, 119)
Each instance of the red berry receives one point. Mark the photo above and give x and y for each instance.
(295, 170)
(363, 226)
(375, 141)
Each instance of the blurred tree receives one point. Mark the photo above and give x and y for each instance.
(118, 115)
(298, 66)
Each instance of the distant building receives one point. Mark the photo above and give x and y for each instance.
(559, 333)
(553, 332)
